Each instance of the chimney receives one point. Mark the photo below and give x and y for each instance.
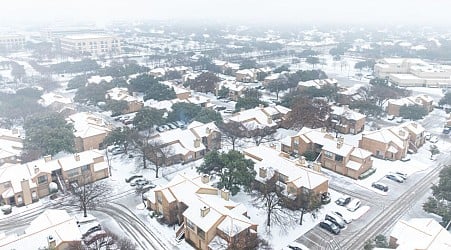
(225, 194)
(317, 167)
(47, 158)
(302, 160)
(269, 120)
(402, 133)
(77, 157)
(196, 142)
(261, 106)
(323, 130)
(262, 172)
(207, 130)
(52, 242)
(205, 178)
(204, 211)
(36, 169)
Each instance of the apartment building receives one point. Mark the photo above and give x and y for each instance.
(134, 104)
(90, 130)
(246, 75)
(94, 44)
(53, 229)
(11, 43)
(347, 121)
(192, 143)
(23, 184)
(294, 177)
(207, 217)
(11, 145)
(259, 117)
(236, 89)
(318, 83)
(394, 105)
(332, 152)
(419, 234)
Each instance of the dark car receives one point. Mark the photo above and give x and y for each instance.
(336, 220)
(96, 235)
(446, 130)
(380, 186)
(129, 179)
(343, 201)
(91, 230)
(329, 226)
(325, 198)
(220, 108)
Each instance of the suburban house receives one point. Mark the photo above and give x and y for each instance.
(419, 234)
(332, 152)
(416, 134)
(226, 68)
(347, 95)
(23, 184)
(53, 229)
(192, 143)
(201, 101)
(394, 105)
(55, 102)
(158, 72)
(318, 83)
(208, 218)
(347, 121)
(10, 146)
(295, 179)
(246, 75)
(236, 89)
(259, 117)
(387, 143)
(272, 78)
(134, 104)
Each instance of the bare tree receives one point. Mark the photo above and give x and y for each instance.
(141, 143)
(260, 135)
(271, 199)
(232, 131)
(106, 241)
(158, 154)
(89, 195)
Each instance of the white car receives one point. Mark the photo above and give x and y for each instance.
(353, 205)
(427, 136)
(434, 139)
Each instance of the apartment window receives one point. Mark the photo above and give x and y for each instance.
(328, 154)
(159, 198)
(190, 225)
(85, 168)
(42, 179)
(72, 173)
(283, 178)
(201, 233)
(339, 158)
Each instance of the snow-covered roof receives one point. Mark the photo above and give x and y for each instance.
(15, 173)
(413, 127)
(346, 112)
(259, 116)
(405, 76)
(120, 94)
(56, 224)
(388, 136)
(87, 36)
(50, 98)
(232, 85)
(318, 83)
(269, 158)
(97, 79)
(248, 72)
(87, 124)
(79, 159)
(421, 233)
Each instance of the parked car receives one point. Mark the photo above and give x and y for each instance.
(91, 230)
(135, 182)
(394, 177)
(401, 174)
(141, 182)
(117, 150)
(353, 205)
(172, 126)
(329, 226)
(434, 139)
(344, 216)
(446, 130)
(181, 124)
(427, 136)
(343, 201)
(145, 188)
(296, 246)
(91, 238)
(390, 117)
(325, 198)
(337, 220)
(129, 179)
(399, 120)
(160, 129)
(228, 111)
(380, 186)
(406, 158)
(219, 108)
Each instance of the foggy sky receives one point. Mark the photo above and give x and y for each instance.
(264, 11)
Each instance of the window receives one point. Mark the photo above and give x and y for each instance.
(190, 225)
(42, 179)
(283, 178)
(328, 154)
(339, 158)
(159, 198)
(201, 233)
(85, 168)
(72, 173)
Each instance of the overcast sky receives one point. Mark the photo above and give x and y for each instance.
(294, 11)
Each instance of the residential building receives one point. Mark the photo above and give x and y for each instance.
(192, 143)
(94, 44)
(201, 101)
(347, 121)
(90, 130)
(22, 184)
(208, 218)
(394, 105)
(10, 43)
(332, 152)
(53, 229)
(134, 104)
(318, 83)
(55, 33)
(56, 102)
(226, 68)
(259, 117)
(412, 72)
(416, 135)
(387, 143)
(347, 95)
(271, 78)
(11, 145)
(158, 72)
(246, 75)
(419, 234)
(236, 89)
(297, 181)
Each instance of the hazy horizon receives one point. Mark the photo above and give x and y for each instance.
(383, 12)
